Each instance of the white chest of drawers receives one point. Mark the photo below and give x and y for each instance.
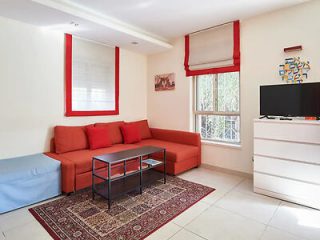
(287, 160)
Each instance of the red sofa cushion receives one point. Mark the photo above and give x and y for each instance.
(175, 152)
(145, 131)
(98, 137)
(83, 158)
(114, 130)
(131, 133)
(69, 138)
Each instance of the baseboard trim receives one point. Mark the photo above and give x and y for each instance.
(228, 171)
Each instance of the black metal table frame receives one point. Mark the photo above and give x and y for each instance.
(109, 180)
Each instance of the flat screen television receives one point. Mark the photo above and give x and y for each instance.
(290, 100)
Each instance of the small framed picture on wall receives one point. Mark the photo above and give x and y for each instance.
(164, 82)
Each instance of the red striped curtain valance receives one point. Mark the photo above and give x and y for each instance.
(214, 50)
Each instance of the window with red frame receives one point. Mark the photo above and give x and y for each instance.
(92, 78)
(212, 58)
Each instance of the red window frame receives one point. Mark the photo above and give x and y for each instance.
(236, 56)
(68, 84)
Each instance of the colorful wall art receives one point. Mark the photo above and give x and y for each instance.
(164, 82)
(294, 70)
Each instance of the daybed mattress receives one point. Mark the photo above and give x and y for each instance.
(27, 180)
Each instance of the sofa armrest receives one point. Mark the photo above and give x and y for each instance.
(67, 172)
(183, 137)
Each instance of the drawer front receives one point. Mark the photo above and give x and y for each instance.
(288, 150)
(287, 187)
(307, 133)
(294, 170)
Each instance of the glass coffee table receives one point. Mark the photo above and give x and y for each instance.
(111, 186)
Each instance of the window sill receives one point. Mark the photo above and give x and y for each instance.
(222, 144)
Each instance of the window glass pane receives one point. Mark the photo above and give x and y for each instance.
(204, 92)
(228, 92)
(219, 128)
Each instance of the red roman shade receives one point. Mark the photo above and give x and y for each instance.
(92, 78)
(213, 50)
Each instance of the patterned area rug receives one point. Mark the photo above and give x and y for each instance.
(131, 217)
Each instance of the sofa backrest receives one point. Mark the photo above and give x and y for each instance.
(70, 138)
(52, 145)
(183, 137)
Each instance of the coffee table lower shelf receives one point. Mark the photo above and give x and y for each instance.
(128, 184)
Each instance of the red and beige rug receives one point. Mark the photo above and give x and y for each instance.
(131, 217)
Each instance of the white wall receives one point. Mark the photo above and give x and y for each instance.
(32, 88)
(262, 41)
(169, 109)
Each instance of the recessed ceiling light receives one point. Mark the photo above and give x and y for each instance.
(134, 43)
(65, 28)
(74, 24)
(144, 4)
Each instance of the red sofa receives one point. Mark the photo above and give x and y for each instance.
(70, 147)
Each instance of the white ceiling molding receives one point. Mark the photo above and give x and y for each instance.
(152, 24)
(104, 20)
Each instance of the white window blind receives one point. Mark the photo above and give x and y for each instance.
(212, 48)
(93, 76)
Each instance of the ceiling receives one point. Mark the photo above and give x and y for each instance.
(153, 24)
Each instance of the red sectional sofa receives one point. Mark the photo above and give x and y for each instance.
(70, 147)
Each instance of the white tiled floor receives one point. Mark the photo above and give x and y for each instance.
(233, 211)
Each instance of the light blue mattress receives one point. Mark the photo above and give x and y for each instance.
(27, 180)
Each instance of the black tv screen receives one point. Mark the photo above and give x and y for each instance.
(290, 100)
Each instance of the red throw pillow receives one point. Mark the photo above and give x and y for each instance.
(98, 137)
(144, 128)
(114, 130)
(131, 133)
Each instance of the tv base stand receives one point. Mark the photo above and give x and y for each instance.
(285, 118)
(267, 117)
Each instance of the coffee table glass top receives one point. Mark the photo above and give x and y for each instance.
(128, 154)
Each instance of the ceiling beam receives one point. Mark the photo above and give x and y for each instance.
(83, 12)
